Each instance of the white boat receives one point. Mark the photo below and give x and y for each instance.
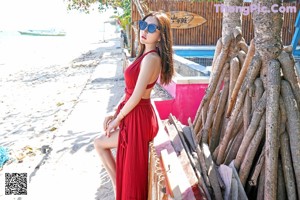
(51, 32)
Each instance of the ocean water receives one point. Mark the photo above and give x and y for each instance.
(20, 52)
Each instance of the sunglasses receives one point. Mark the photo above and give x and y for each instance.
(151, 27)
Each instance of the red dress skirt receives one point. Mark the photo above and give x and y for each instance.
(137, 129)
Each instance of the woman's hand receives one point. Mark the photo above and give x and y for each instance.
(107, 120)
(111, 126)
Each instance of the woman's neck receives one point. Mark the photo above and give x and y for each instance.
(149, 48)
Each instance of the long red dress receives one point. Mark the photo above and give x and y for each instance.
(137, 129)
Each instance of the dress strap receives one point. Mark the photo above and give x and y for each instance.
(151, 85)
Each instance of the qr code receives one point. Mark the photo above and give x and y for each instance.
(15, 183)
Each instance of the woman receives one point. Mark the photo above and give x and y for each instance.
(135, 116)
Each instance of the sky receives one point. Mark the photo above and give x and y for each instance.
(45, 14)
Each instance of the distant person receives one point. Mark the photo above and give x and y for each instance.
(124, 38)
(135, 124)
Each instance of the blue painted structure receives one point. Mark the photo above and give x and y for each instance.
(296, 37)
(195, 53)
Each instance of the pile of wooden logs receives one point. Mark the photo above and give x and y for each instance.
(243, 144)
(249, 117)
(246, 117)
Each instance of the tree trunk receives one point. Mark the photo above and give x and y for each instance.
(231, 36)
(268, 78)
(267, 33)
(140, 8)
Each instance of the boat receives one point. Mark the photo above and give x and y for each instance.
(51, 32)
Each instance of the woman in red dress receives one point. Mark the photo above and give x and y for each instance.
(134, 124)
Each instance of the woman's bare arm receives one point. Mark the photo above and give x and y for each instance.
(149, 69)
(120, 101)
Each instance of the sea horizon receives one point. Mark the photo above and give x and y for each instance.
(19, 51)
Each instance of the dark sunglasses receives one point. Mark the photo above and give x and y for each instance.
(151, 27)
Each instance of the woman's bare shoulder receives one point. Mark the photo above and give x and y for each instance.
(152, 59)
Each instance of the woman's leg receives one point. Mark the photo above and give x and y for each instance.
(103, 146)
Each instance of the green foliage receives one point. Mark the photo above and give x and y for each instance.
(84, 5)
(125, 18)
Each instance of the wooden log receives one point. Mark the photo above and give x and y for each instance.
(259, 90)
(213, 105)
(247, 111)
(215, 138)
(283, 116)
(288, 48)
(257, 115)
(215, 153)
(288, 173)
(224, 124)
(251, 91)
(281, 192)
(258, 168)
(234, 147)
(241, 56)
(234, 73)
(197, 128)
(261, 184)
(251, 75)
(290, 74)
(272, 124)
(241, 77)
(220, 62)
(217, 52)
(293, 127)
(243, 46)
(251, 151)
(238, 125)
(212, 172)
(204, 112)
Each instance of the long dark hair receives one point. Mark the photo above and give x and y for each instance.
(165, 49)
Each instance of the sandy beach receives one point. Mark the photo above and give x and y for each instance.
(36, 101)
(42, 108)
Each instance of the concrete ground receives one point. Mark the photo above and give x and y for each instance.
(71, 168)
